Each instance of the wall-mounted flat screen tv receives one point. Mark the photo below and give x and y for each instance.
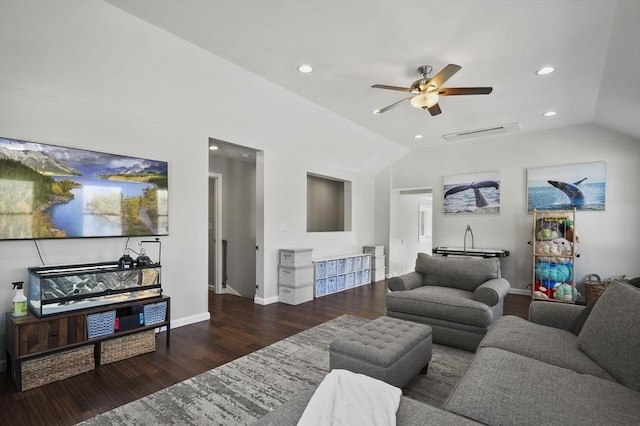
(49, 191)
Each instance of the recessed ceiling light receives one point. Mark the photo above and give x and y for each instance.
(545, 70)
(213, 147)
(418, 137)
(245, 155)
(549, 113)
(305, 68)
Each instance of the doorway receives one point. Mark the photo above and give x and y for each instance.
(233, 218)
(410, 232)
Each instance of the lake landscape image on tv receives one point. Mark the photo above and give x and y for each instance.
(49, 191)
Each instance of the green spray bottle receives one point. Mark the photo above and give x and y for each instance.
(19, 301)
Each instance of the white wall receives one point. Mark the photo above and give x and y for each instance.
(383, 213)
(610, 240)
(285, 213)
(88, 75)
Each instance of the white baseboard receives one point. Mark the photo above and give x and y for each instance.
(205, 316)
(520, 291)
(267, 301)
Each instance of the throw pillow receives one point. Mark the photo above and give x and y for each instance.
(610, 335)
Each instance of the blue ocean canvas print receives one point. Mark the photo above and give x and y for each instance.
(472, 193)
(580, 186)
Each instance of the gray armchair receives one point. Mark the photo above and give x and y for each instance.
(459, 297)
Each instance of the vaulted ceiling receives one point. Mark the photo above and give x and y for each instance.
(594, 46)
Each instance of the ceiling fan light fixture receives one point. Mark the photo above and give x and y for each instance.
(545, 70)
(425, 100)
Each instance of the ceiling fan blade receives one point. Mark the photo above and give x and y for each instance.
(384, 86)
(435, 110)
(444, 75)
(393, 105)
(451, 91)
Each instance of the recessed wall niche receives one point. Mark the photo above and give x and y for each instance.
(328, 204)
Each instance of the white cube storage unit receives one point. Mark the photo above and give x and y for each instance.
(295, 276)
(338, 273)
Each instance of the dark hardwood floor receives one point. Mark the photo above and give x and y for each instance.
(237, 327)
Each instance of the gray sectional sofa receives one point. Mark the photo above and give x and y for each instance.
(567, 365)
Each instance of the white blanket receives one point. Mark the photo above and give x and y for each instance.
(346, 398)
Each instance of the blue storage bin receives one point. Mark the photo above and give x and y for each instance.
(321, 269)
(332, 285)
(321, 287)
(155, 313)
(341, 282)
(101, 324)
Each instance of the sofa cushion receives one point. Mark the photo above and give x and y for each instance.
(410, 412)
(502, 387)
(611, 335)
(465, 273)
(445, 303)
(547, 344)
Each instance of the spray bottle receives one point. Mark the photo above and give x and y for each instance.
(19, 301)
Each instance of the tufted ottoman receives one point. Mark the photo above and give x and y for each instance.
(388, 349)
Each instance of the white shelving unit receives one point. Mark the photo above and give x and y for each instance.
(338, 273)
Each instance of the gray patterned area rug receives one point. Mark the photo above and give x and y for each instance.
(247, 388)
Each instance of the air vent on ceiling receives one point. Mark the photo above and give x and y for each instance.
(468, 134)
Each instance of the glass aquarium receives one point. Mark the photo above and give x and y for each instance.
(58, 289)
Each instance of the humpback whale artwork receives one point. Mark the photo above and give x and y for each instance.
(474, 193)
(581, 186)
(576, 197)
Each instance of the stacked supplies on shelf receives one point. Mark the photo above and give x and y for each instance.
(295, 276)
(377, 262)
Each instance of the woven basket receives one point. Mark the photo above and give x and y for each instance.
(126, 347)
(594, 287)
(51, 368)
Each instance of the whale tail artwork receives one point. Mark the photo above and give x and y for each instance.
(481, 201)
(576, 197)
